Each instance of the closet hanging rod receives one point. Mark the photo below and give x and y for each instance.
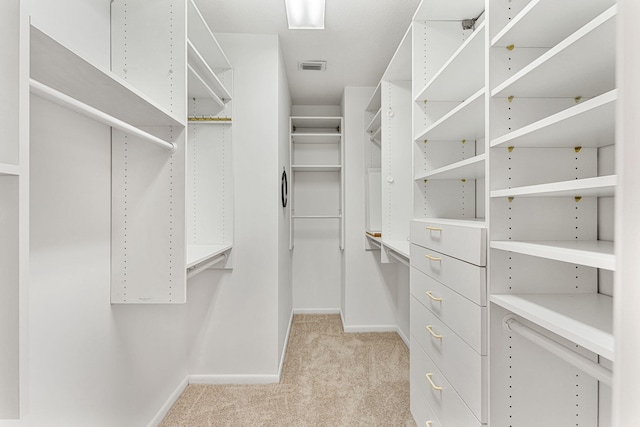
(66, 101)
(599, 372)
(399, 258)
(195, 270)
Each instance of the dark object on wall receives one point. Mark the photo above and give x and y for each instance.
(284, 188)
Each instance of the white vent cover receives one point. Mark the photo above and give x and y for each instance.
(313, 65)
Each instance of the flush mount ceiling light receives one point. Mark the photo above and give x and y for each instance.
(305, 14)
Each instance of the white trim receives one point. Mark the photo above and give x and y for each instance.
(406, 340)
(317, 311)
(234, 379)
(369, 328)
(164, 410)
(286, 345)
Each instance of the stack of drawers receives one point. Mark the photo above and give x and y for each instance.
(448, 323)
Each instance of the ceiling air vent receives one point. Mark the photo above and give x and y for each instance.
(312, 65)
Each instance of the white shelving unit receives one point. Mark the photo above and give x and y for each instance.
(552, 183)
(14, 210)
(209, 204)
(316, 160)
(373, 161)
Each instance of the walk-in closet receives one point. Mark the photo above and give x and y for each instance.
(319, 212)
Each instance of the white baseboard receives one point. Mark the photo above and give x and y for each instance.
(234, 379)
(316, 311)
(406, 340)
(284, 349)
(169, 403)
(369, 328)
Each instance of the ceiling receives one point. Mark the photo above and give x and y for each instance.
(358, 41)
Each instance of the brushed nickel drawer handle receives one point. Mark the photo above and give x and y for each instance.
(434, 228)
(432, 258)
(430, 329)
(430, 295)
(435, 387)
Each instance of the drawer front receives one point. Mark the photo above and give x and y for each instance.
(464, 317)
(423, 414)
(447, 406)
(462, 366)
(466, 279)
(466, 243)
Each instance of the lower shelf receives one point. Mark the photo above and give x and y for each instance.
(199, 255)
(585, 319)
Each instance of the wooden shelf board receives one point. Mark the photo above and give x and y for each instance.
(473, 168)
(588, 124)
(597, 254)
(462, 74)
(465, 121)
(560, 72)
(9, 169)
(375, 103)
(533, 28)
(197, 254)
(316, 168)
(204, 40)
(59, 68)
(376, 122)
(585, 319)
(207, 75)
(401, 247)
(601, 186)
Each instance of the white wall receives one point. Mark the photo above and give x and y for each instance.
(233, 315)
(369, 287)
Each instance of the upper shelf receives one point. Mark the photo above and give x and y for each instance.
(201, 68)
(301, 124)
(447, 10)
(588, 124)
(462, 74)
(533, 28)
(598, 254)
(464, 121)
(580, 65)
(601, 186)
(202, 37)
(399, 68)
(585, 319)
(376, 122)
(61, 69)
(472, 168)
(376, 100)
(9, 169)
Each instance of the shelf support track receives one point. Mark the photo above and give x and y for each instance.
(599, 372)
(73, 104)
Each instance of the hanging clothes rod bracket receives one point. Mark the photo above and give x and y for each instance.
(207, 265)
(512, 324)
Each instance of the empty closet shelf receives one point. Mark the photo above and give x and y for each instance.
(472, 168)
(601, 186)
(197, 254)
(585, 319)
(398, 246)
(590, 253)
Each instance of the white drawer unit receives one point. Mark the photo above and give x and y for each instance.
(467, 279)
(464, 317)
(463, 241)
(459, 363)
(424, 414)
(441, 398)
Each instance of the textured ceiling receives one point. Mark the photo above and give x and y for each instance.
(359, 39)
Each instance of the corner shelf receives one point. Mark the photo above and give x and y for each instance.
(473, 168)
(597, 254)
(560, 72)
(586, 319)
(601, 186)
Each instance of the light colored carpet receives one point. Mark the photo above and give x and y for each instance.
(329, 379)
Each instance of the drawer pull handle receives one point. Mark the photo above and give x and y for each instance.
(435, 387)
(432, 258)
(434, 229)
(428, 423)
(430, 295)
(430, 329)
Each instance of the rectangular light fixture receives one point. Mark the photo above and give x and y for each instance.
(305, 14)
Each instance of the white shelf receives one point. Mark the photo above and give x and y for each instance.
(401, 247)
(61, 69)
(399, 68)
(462, 74)
(197, 254)
(464, 121)
(199, 33)
(585, 319)
(447, 10)
(469, 223)
(588, 124)
(533, 28)
(316, 138)
(208, 78)
(376, 122)
(377, 136)
(472, 168)
(9, 169)
(597, 254)
(316, 216)
(314, 124)
(601, 186)
(316, 168)
(580, 65)
(198, 88)
(376, 100)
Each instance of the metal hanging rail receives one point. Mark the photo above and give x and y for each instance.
(66, 101)
(599, 372)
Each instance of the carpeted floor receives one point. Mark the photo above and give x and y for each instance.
(330, 379)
